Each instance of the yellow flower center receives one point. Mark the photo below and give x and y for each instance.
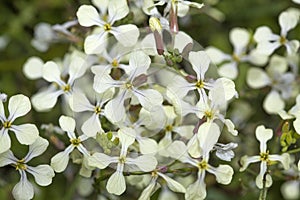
(128, 86)
(20, 165)
(115, 63)
(66, 88)
(282, 40)
(169, 128)
(122, 159)
(200, 84)
(97, 110)
(7, 124)
(203, 165)
(208, 114)
(107, 27)
(235, 57)
(75, 142)
(264, 156)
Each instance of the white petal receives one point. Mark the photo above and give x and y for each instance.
(126, 136)
(117, 9)
(239, 37)
(45, 100)
(292, 47)
(228, 70)
(257, 58)
(216, 55)
(147, 145)
(290, 189)
(296, 125)
(172, 184)
(182, 9)
(139, 62)
(96, 43)
(200, 63)
(33, 68)
(115, 110)
(146, 194)
(127, 34)
(277, 65)
(103, 82)
(223, 90)
(7, 158)
(81, 102)
(101, 5)
(145, 163)
(246, 161)
(88, 16)
(116, 183)
(287, 21)
(51, 72)
(264, 33)
(179, 87)
(26, 133)
(178, 150)
(101, 160)
(60, 161)
(184, 131)
(230, 127)
(196, 190)
(257, 78)
(18, 105)
(92, 126)
(181, 40)
(208, 135)
(273, 102)
(149, 98)
(267, 48)
(284, 115)
(37, 148)
(5, 142)
(67, 124)
(259, 181)
(23, 190)
(223, 174)
(283, 158)
(263, 135)
(43, 174)
(77, 68)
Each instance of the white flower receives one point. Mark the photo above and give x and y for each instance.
(88, 16)
(81, 104)
(223, 173)
(200, 63)
(171, 126)
(263, 135)
(115, 110)
(18, 105)
(46, 99)
(116, 183)
(42, 174)
(239, 38)
(268, 42)
(60, 161)
(278, 78)
(182, 6)
(172, 184)
(293, 113)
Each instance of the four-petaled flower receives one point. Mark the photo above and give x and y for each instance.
(263, 135)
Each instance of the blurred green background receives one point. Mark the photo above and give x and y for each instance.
(17, 21)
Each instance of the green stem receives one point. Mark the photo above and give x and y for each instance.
(263, 192)
(293, 151)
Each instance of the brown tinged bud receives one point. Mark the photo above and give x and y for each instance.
(156, 28)
(173, 18)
